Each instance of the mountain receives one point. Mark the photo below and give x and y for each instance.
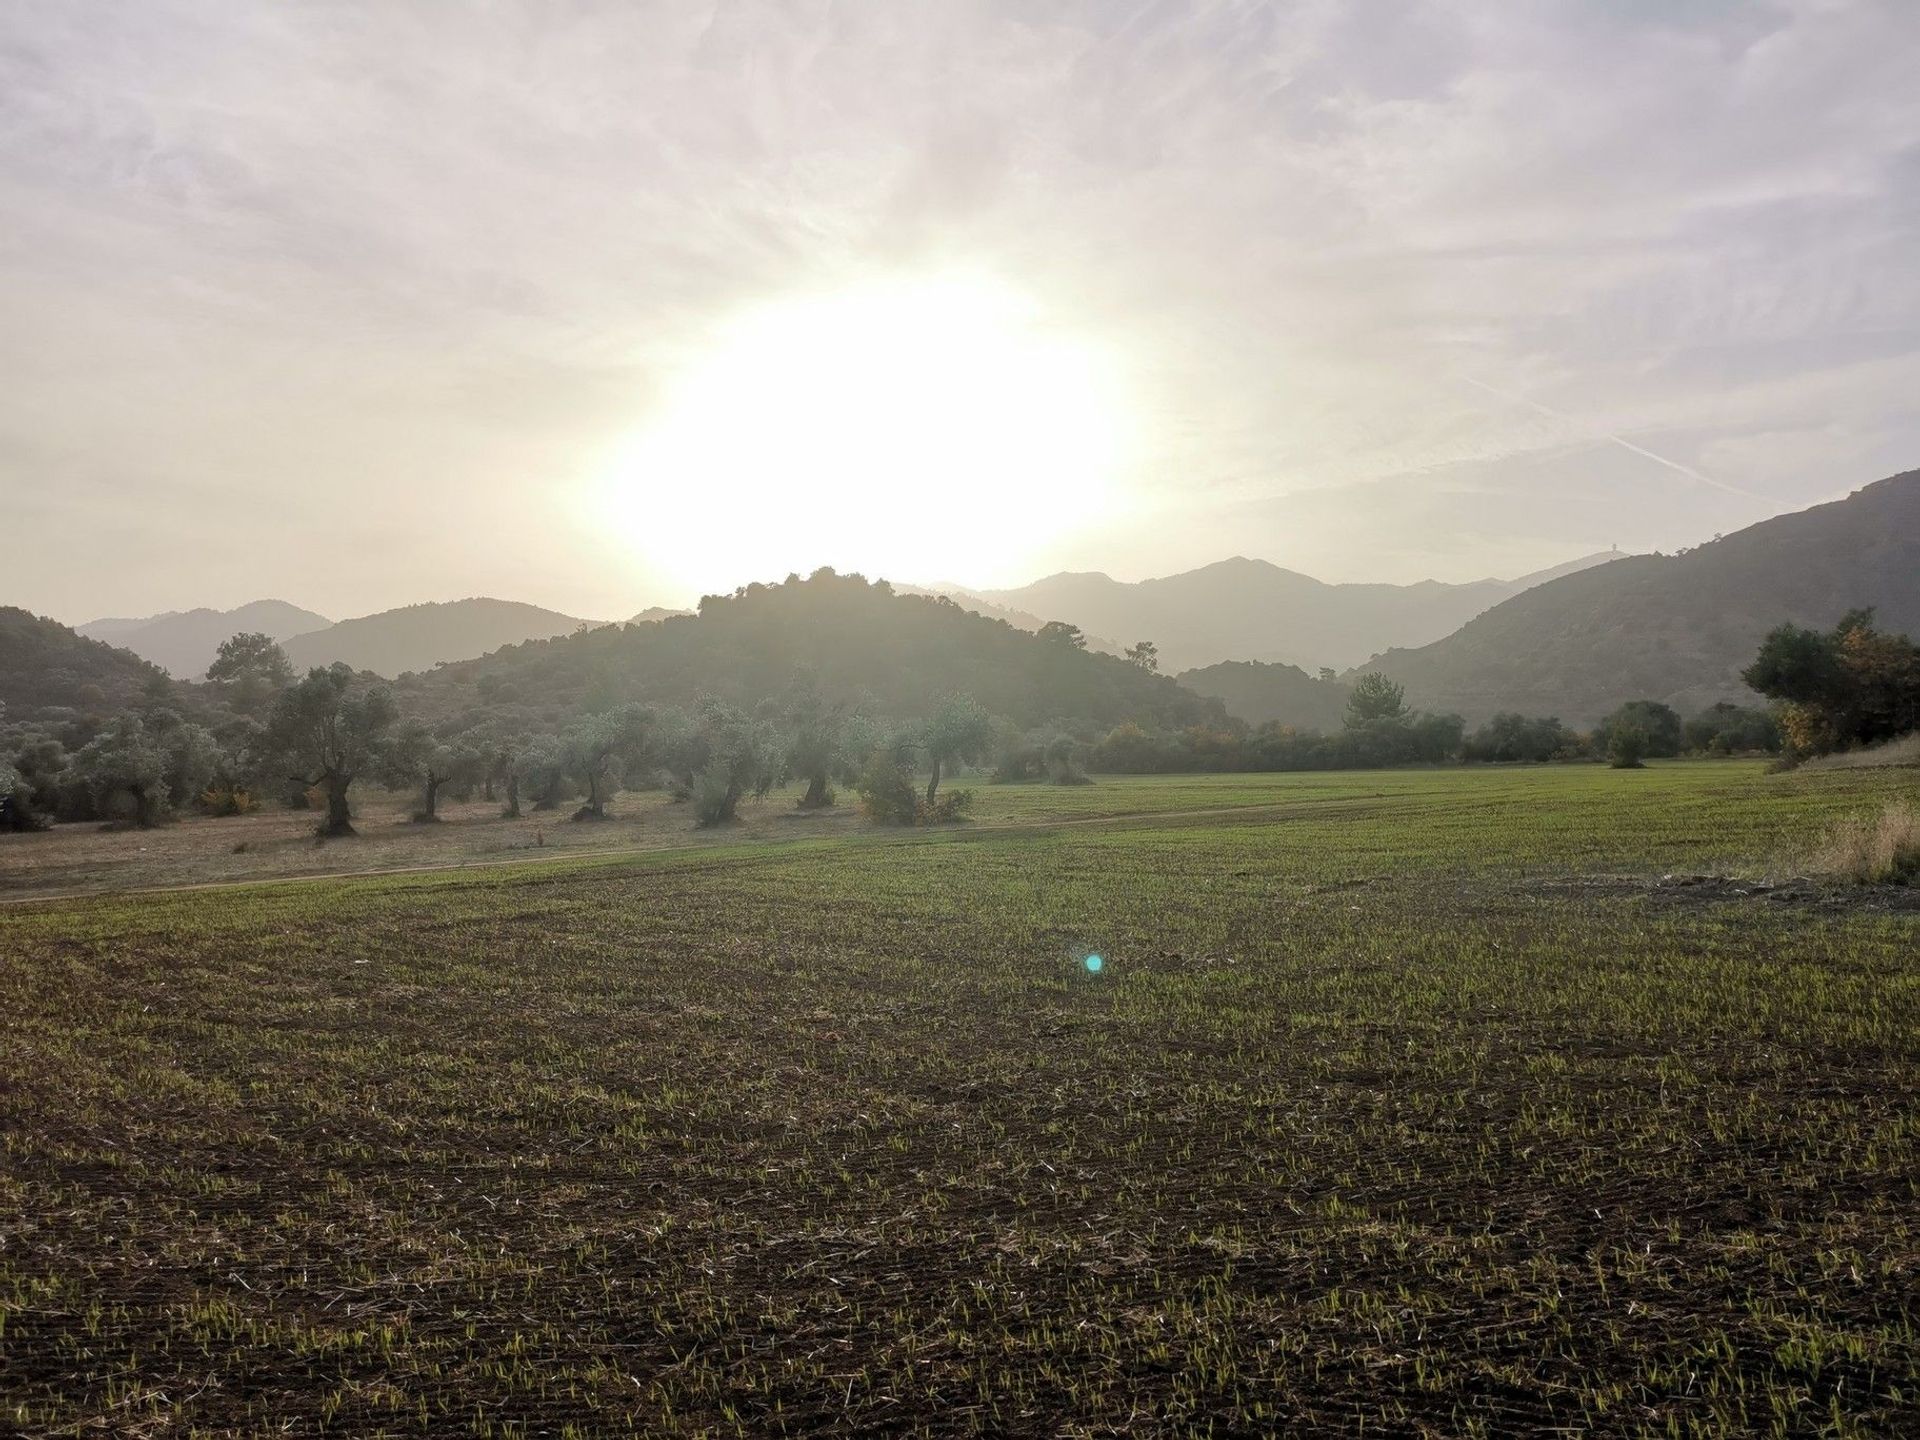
(1243, 609)
(44, 667)
(1260, 693)
(418, 637)
(656, 612)
(184, 642)
(1676, 628)
(899, 655)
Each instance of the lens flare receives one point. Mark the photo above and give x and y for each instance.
(1095, 964)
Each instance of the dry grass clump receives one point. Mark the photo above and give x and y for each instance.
(1870, 850)
(1905, 750)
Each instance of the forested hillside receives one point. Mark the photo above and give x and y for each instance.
(45, 667)
(1677, 628)
(899, 655)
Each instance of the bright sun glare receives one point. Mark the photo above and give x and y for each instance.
(920, 430)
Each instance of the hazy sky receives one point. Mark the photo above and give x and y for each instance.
(362, 304)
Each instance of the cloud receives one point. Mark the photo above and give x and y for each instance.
(381, 272)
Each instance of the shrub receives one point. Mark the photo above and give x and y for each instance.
(887, 790)
(1661, 732)
(889, 796)
(1626, 745)
(1513, 737)
(947, 808)
(1726, 729)
(227, 800)
(15, 814)
(1870, 850)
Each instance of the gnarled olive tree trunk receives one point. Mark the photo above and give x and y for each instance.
(339, 817)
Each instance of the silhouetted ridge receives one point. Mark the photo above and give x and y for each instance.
(1677, 628)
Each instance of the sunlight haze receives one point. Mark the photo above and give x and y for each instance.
(941, 414)
(592, 306)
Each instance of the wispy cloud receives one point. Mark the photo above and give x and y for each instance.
(363, 273)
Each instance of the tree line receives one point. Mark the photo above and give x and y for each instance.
(1381, 730)
(307, 742)
(256, 731)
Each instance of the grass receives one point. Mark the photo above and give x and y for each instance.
(1406, 1103)
(1874, 850)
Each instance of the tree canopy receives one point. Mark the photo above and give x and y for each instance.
(328, 729)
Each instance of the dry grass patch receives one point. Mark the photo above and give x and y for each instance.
(1874, 850)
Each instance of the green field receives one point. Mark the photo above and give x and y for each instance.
(1406, 1103)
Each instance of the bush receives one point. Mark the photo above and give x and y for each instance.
(1627, 744)
(952, 805)
(227, 800)
(889, 796)
(887, 792)
(1512, 737)
(1726, 729)
(1869, 850)
(1660, 731)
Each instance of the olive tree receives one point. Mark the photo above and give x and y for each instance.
(737, 754)
(124, 759)
(959, 732)
(540, 768)
(328, 731)
(418, 757)
(15, 810)
(826, 741)
(598, 751)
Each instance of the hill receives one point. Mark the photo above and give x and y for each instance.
(1243, 609)
(1019, 619)
(47, 667)
(418, 637)
(900, 654)
(184, 642)
(1260, 693)
(1677, 628)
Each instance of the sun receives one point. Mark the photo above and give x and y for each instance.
(922, 429)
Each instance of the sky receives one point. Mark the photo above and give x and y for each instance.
(600, 306)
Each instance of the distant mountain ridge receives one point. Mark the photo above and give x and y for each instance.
(1242, 609)
(184, 642)
(419, 637)
(1676, 628)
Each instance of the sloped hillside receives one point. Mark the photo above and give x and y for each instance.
(418, 637)
(900, 654)
(1019, 619)
(1677, 628)
(46, 667)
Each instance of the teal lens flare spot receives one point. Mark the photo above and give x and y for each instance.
(1094, 964)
